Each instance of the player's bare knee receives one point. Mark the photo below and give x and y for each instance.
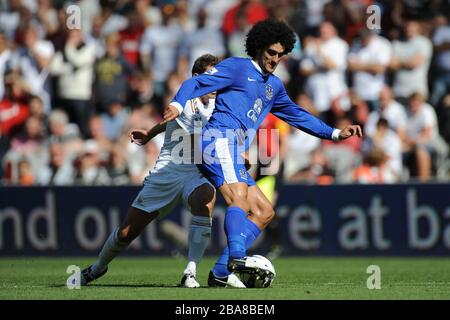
(263, 216)
(201, 210)
(124, 235)
(202, 201)
(268, 215)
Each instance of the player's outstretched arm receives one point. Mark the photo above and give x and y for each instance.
(350, 131)
(141, 137)
(170, 113)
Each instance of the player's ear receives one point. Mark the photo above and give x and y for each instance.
(195, 74)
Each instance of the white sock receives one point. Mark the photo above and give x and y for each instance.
(110, 250)
(191, 268)
(199, 236)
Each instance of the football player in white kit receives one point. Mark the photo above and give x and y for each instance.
(174, 177)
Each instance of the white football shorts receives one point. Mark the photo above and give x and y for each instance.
(166, 185)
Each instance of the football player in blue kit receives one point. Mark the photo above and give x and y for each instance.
(247, 90)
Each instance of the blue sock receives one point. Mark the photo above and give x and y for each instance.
(252, 232)
(235, 231)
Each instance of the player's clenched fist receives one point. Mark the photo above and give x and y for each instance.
(170, 113)
(138, 136)
(350, 131)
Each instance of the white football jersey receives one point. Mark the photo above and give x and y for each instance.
(178, 143)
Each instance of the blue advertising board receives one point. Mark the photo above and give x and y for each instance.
(345, 220)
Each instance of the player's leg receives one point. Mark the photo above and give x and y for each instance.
(148, 204)
(235, 195)
(119, 239)
(261, 213)
(225, 168)
(201, 202)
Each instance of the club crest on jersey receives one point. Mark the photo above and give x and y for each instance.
(243, 173)
(269, 92)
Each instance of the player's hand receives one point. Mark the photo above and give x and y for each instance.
(138, 136)
(170, 113)
(350, 131)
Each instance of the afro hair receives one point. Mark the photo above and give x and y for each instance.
(265, 33)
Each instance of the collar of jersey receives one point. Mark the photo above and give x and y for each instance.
(259, 69)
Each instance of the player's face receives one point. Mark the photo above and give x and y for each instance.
(271, 57)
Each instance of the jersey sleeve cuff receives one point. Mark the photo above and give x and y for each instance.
(178, 106)
(335, 135)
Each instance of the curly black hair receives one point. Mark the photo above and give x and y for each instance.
(265, 33)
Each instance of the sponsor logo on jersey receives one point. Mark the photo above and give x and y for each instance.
(256, 110)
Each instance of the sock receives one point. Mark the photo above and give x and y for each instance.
(235, 230)
(252, 232)
(199, 236)
(110, 250)
(191, 268)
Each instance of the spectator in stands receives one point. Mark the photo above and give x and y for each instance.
(354, 17)
(182, 16)
(324, 63)
(74, 67)
(30, 144)
(368, 60)
(33, 61)
(236, 39)
(31, 140)
(198, 42)
(117, 168)
(36, 106)
(422, 140)
(26, 176)
(13, 107)
(5, 60)
(98, 134)
(441, 47)
(148, 13)
(58, 37)
(390, 110)
(61, 131)
(141, 91)
(255, 11)
(159, 50)
(300, 145)
(112, 22)
(130, 38)
(387, 140)
(114, 120)
(373, 168)
(410, 61)
(111, 75)
(89, 168)
(47, 16)
(60, 170)
(317, 172)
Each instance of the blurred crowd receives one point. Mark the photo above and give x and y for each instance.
(69, 97)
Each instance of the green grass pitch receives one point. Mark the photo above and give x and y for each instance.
(297, 278)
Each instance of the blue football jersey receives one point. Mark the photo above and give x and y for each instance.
(244, 97)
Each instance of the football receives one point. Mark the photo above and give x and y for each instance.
(262, 277)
